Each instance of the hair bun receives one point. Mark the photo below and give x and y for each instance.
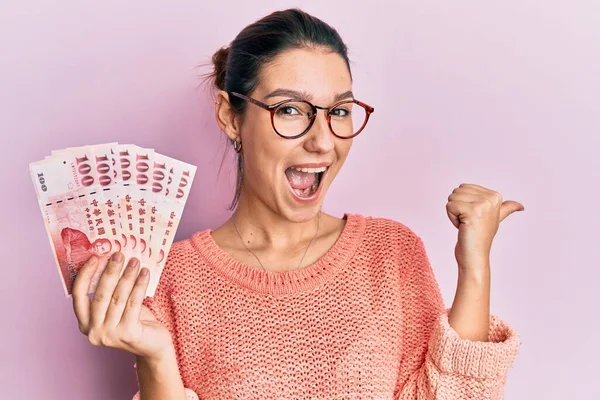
(219, 60)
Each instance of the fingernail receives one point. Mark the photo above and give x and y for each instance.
(144, 272)
(134, 263)
(117, 257)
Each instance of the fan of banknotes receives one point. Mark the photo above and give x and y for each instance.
(100, 199)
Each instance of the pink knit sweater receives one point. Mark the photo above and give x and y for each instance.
(366, 321)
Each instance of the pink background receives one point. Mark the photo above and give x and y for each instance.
(504, 94)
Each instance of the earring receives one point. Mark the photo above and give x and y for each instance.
(237, 146)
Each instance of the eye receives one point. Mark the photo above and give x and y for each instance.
(288, 111)
(340, 112)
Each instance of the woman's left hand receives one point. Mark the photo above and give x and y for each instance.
(477, 213)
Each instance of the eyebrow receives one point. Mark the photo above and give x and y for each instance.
(294, 94)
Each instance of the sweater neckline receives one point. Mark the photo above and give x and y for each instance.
(287, 282)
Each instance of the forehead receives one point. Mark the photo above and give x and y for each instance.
(318, 72)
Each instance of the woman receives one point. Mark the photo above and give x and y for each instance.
(283, 301)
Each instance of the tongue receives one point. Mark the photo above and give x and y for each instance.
(300, 180)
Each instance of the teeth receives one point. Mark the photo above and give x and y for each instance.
(311, 170)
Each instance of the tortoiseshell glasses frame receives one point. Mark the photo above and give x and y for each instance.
(329, 112)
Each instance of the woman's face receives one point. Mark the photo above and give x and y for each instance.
(272, 164)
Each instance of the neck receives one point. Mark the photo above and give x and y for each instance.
(262, 227)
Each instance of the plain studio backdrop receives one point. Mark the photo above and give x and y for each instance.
(502, 94)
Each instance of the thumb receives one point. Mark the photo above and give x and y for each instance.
(146, 314)
(508, 207)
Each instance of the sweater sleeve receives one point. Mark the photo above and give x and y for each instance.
(436, 363)
(161, 305)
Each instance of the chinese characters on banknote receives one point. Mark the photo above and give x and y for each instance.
(100, 199)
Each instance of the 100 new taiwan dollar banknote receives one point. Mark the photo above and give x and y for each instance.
(100, 199)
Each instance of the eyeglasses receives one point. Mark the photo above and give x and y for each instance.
(292, 118)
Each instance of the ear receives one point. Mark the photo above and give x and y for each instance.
(226, 116)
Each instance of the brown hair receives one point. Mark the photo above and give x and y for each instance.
(237, 67)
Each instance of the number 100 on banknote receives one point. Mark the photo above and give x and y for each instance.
(100, 199)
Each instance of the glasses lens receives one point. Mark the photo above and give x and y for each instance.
(347, 119)
(292, 118)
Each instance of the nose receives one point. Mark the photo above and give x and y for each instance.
(320, 139)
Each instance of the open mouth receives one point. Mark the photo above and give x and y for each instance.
(305, 182)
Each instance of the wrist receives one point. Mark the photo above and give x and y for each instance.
(476, 265)
(158, 360)
(159, 376)
(475, 275)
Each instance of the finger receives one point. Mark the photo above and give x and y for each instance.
(146, 314)
(466, 189)
(492, 196)
(131, 315)
(81, 288)
(453, 218)
(121, 293)
(456, 211)
(509, 207)
(474, 186)
(104, 291)
(464, 197)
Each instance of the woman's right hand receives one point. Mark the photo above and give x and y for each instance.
(116, 317)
